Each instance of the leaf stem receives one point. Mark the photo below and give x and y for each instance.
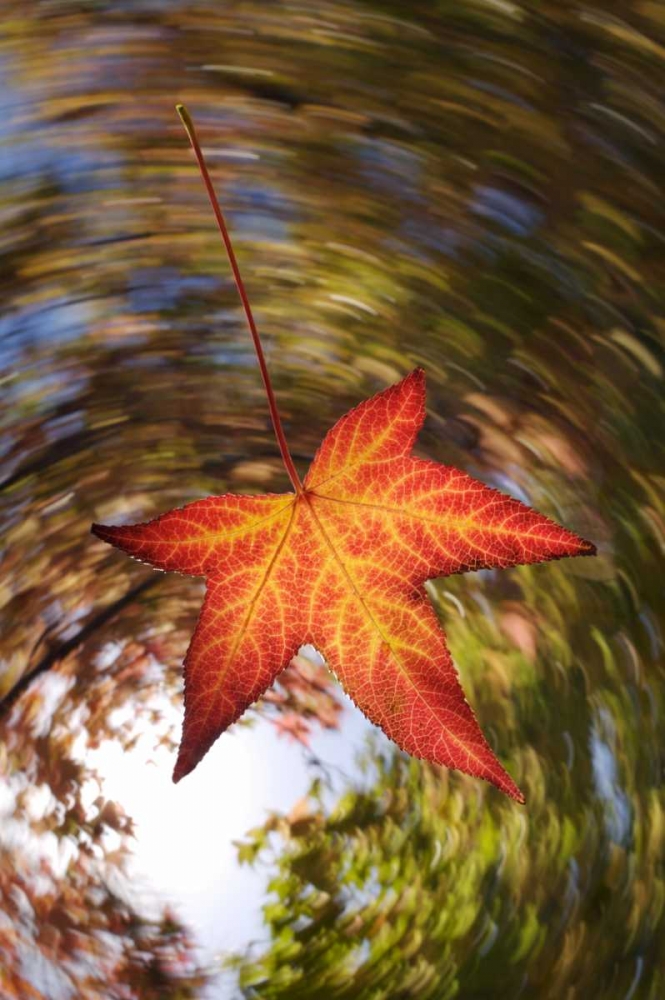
(272, 402)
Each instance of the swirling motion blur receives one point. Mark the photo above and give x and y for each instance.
(474, 187)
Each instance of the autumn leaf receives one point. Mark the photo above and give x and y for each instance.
(341, 563)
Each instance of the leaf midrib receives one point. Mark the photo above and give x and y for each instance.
(403, 670)
(458, 524)
(279, 548)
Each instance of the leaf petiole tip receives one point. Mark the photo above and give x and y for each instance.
(185, 118)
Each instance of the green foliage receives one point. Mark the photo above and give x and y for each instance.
(415, 885)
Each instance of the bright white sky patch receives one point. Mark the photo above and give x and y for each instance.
(184, 850)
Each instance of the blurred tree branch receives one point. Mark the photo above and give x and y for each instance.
(58, 653)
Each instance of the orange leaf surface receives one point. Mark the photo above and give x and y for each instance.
(341, 565)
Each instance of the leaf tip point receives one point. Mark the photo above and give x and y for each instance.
(512, 791)
(105, 532)
(181, 770)
(416, 380)
(505, 784)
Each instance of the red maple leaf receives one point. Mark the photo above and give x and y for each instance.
(340, 563)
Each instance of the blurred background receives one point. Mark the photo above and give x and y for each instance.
(474, 186)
